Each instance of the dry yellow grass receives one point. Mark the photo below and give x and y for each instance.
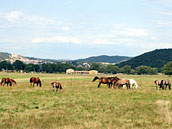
(83, 105)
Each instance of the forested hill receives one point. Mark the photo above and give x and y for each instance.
(4, 55)
(104, 58)
(156, 58)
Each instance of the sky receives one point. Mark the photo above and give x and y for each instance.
(74, 29)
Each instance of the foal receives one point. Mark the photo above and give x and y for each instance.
(56, 86)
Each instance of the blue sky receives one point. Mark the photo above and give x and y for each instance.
(73, 29)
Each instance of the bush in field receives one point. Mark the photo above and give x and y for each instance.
(167, 69)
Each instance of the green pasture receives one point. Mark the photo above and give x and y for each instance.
(82, 105)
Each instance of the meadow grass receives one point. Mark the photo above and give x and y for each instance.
(82, 105)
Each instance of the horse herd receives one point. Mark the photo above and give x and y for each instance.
(113, 82)
(33, 80)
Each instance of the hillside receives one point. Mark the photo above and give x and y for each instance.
(156, 58)
(4, 55)
(104, 58)
(28, 60)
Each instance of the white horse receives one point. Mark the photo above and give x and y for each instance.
(133, 83)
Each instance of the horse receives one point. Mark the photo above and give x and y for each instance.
(114, 80)
(7, 81)
(133, 83)
(158, 84)
(104, 80)
(122, 82)
(165, 83)
(56, 86)
(34, 80)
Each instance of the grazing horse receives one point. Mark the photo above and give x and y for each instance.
(34, 80)
(158, 84)
(114, 80)
(165, 83)
(7, 81)
(104, 80)
(133, 83)
(122, 82)
(56, 86)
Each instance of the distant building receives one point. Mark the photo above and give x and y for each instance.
(93, 72)
(82, 72)
(70, 71)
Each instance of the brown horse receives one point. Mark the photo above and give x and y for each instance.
(122, 82)
(114, 80)
(6, 81)
(56, 86)
(165, 83)
(105, 80)
(34, 80)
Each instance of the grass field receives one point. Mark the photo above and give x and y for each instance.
(82, 105)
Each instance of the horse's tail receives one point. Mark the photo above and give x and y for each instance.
(2, 82)
(60, 86)
(95, 78)
(40, 84)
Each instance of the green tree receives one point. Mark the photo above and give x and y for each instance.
(146, 70)
(80, 68)
(102, 68)
(18, 65)
(95, 66)
(32, 68)
(167, 69)
(142, 69)
(5, 65)
(126, 69)
(58, 67)
(152, 71)
(112, 69)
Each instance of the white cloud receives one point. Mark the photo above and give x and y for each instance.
(20, 17)
(103, 41)
(134, 32)
(13, 15)
(65, 28)
(164, 23)
(161, 2)
(38, 20)
(57, 39)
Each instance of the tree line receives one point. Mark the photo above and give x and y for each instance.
(101, 68)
